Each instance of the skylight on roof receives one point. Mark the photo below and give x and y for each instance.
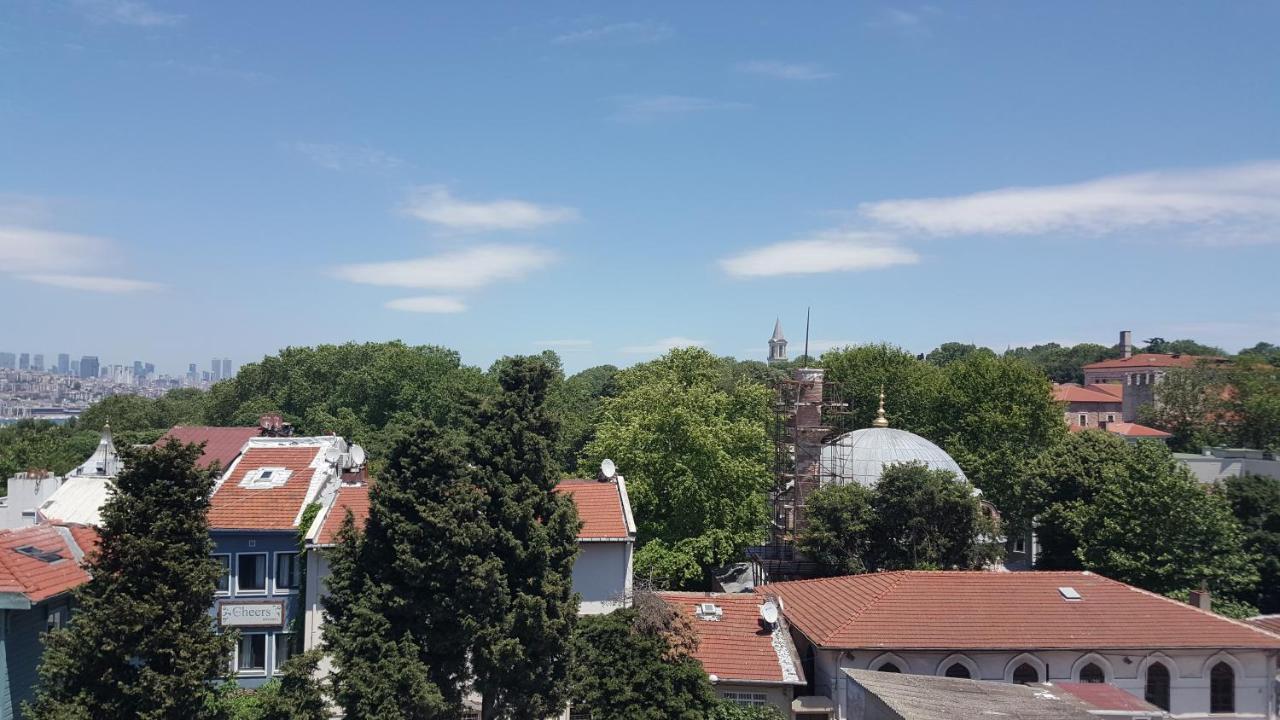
(266, 477)
(31, 551)
(1069, 593)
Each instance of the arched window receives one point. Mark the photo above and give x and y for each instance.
(889, 667)
(1025, 674)
(1091, 673)
(1222, 689)
(1157, 690)
(958, 670)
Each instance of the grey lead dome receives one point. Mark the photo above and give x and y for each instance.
(862, 455)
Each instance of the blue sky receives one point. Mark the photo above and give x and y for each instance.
(184, 179)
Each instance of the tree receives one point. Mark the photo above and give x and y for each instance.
(730, 710)
(1251, 405)
(624, 670)
(1188, 405)
(1064, 364)
(861, 372)
(1255, 502)
(1154, 526)
(42, 445)
(1263, 352)
(838, 532)
(577, 402)
(949, 352)
(925, 519)
(142, 643)
(1181, 347)
(697, 459)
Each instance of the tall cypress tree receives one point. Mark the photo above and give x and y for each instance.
(142, 643)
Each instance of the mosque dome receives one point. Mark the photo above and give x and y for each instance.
(862, 455)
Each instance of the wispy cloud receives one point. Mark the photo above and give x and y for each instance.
(463, 270)
(436, 205)
(663, 345)
(565, 345)
(28, 250)
(93, 283)
(643, 108)
(785, 70)
(1233, 200)
(826, 251)
(428, 304)
(128, 12)
(634, 32)
(338, 156)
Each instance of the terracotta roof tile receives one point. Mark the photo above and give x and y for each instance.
(990, 610)
(239, 508)
(350, 497)
(222, 444)
(1070, 392)
(1151, 360)
(738, 646)
(35, 578)
(1135, 430)
(1270, 623)
(1104, 697)
(599, 508)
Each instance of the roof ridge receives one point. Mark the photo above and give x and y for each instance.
(892, 585)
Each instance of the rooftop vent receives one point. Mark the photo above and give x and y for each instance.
(32, 551)
(266, 477)
(1069, 593)
(709, 611)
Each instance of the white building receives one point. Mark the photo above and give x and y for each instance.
(29, 492)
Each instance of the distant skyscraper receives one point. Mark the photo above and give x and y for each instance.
(37, 362)
(64, 364)
(149, 369)
(215, 370)
(137, 369)
(226, 368)
(89, 366)
(75, 368)
(24, 361)
(8, 361)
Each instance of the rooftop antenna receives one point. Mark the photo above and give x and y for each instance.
(806, 334)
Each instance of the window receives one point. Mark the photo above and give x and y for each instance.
(55, 619)
(284, 649)
(288, 571)
(1157, 689)
(1111, 417)
(889, 667)
(958, 671)
(1091, 673)
(251, 572)
(224, 577)
(1025, 674)
(251, 654)
(1222, 689)
(749, 699)
(265, 478)
(1020, 545)
(1084, 420)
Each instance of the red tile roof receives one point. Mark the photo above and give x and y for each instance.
(1000, 611)
(36, 579)
(1150, 360)
(1070, 392)
(1135, 430)
(599, 507)
(350, 497)
(1105, 697)
(738, 646)
(1113, 389)
(1270, 623)
(222, 444)
(233, 507)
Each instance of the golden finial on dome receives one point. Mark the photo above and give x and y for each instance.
(881, 420)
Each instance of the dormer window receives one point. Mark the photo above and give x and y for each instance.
(266, 477)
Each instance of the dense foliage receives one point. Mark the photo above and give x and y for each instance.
(1064, 364)
(142, 643)
(697, 459)
(33, 445)
(1255, 501)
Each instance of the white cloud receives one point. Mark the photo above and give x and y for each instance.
(663, 345)
(128, 12)
(435, 204)
(93, 283)
(621, 33)
(428, 304)
(641, 108)
(1230, 201)
(31, 250)
(786, 70)
(462, 270)
(337, 156)
(826, 251)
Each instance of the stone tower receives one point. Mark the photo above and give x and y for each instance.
(777, 344)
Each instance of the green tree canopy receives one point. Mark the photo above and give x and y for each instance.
(1189, 405)
(142, 643)
(1255, 502)
(697, 460)
(859, 372)
(41, 445)
(577, 403)
(839, 529)
(1064, 364)
(949, 352)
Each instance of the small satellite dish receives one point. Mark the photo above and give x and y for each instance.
(608, 469)
(357, 455)
(769, 612)
(332, 455)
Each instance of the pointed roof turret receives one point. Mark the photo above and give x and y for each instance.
(105, 461)
(777, 330)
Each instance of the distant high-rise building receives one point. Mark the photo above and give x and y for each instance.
(37, 362)
(75, 368)
(8, 361)
(89, 366)
(149, 369)
(226, 368)
(24, 361)
(137, 370)
(64, 363)
(215, 370)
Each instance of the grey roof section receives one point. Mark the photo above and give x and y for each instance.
(104, 462)
(862, 455)
(924, 697)
(777, 330)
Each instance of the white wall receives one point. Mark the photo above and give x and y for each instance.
(1189, 671)
(26, 494)
(602, 575)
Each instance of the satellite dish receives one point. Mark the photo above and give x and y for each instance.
(357, 455)
(608, 469)
(332, 455)
(769, 612)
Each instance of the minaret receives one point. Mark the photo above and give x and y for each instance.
(777, 344)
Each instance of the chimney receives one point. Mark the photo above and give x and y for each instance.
(1201, 598)
(1126, 344)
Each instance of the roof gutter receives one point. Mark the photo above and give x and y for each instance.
(14, 601)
